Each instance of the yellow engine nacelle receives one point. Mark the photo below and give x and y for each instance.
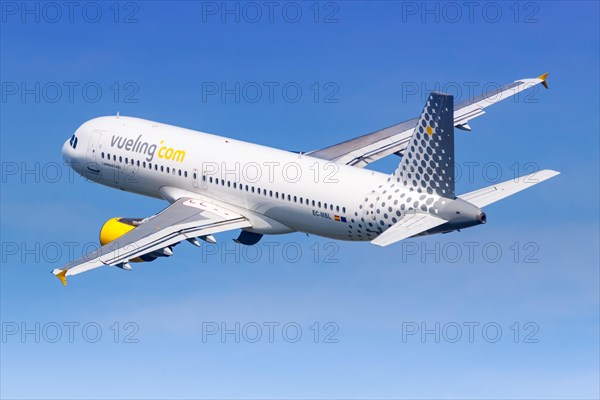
(114, 228)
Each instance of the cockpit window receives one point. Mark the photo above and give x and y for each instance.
(73, 141)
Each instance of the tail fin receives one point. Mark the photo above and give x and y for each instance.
(428, 161)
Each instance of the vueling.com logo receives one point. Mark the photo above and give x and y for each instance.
(141, 147)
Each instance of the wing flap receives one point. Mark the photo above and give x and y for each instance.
(410, 225)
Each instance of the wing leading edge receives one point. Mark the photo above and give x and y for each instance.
(363, 150)
(186, 218)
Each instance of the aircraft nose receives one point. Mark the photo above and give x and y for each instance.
(65, 151)
(69, 149)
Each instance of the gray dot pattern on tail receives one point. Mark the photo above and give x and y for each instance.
(428, 162)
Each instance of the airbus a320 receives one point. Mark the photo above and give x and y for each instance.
(216, 184)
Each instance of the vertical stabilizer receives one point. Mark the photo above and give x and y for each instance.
(428, 161)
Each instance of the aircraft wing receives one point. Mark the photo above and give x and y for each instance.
(410, 225)
(186, 218)
(365, 149)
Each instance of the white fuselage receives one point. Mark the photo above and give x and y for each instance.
(280, 191)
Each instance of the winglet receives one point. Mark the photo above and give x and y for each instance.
(543, 78)
(62, 275)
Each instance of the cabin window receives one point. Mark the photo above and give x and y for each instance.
(120, 159)
(195, 176)
(270, 193)
(252, 189)
(168, 170)
(234, 185)
(162, 168)
(319, 204)
(185, 173)
(344, 209)
(102, 155)
(114, 157)
(138, 163)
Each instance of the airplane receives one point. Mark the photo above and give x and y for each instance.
(216, 184)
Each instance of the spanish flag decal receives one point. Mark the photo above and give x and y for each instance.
(338, 218)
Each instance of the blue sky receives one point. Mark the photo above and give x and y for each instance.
(532, 271)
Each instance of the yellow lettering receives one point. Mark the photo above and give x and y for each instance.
(179, 155)
(169, 153)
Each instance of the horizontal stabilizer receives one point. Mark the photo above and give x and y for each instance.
(410, 225)
(494, 193)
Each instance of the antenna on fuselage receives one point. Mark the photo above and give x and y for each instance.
(118, 114)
